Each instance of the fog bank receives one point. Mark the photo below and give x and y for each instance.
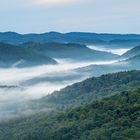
(18, 85)
(118, 51)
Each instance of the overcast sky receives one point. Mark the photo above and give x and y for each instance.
(111, 16)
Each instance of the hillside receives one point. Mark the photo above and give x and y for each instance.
(124, 64)
(11, 55)
(131, 53)
(136, 58)
(91, 89)
(115, 118)
(69, 51)
(124, 42)
(131, 62)
(134, 62)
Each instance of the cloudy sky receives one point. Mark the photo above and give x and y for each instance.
(112, 16)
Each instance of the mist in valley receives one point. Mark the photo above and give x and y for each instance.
(20, 85)
(118, 50)
(69, 70)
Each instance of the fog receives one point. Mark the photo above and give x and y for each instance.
(118, 51)
(15, 76)
(18, 85)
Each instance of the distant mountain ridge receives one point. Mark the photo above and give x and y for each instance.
(69, 51)
(11, 55)
(72, 37)
(128, 61)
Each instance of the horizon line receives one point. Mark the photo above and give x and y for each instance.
(86, 32)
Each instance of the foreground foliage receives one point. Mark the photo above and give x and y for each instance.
(113, 118)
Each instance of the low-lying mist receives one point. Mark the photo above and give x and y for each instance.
(118, 51)
(18, 85)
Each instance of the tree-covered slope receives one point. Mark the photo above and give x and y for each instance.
(91, 89)
(133, 52)
(113, 118)
(135, 59)
(132, 62)
(11, 55)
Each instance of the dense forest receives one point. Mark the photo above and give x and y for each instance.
(91, 89)
(113, 118)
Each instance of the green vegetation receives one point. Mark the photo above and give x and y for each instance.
(113, 118)
(91, 89)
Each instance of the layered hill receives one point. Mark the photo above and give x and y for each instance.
(133, 61)
(69, 51)
(132, 58)
(73, 37)
(116, 117)
(11, 55)
(131, 53)
(128, 61)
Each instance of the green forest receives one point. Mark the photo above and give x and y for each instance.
(113, 118)
(91, 89)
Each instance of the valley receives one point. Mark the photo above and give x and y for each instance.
(44, 78)
(69, 70)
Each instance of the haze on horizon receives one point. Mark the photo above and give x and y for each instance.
(38, 16)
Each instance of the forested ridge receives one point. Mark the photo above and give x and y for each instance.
(91, 89)
(113, 118)
(13, 55)
(99, 108)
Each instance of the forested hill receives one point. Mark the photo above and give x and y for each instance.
(113, 118)
(21, 57)
(91, 89)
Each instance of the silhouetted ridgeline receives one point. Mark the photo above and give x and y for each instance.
(74, 37)
(69, 51)
(11, 55)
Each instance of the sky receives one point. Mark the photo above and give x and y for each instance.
(39, 16)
